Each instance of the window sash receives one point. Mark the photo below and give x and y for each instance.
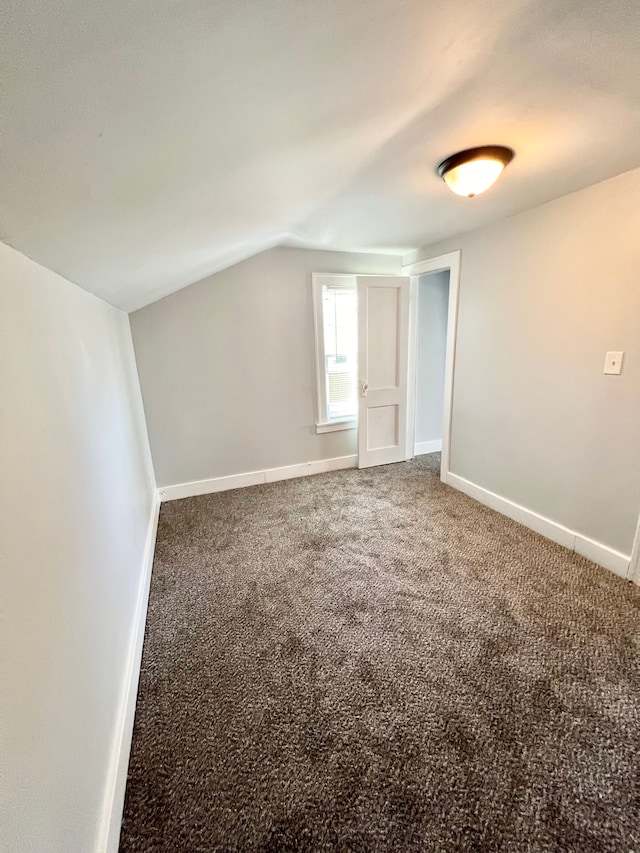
(336, 389)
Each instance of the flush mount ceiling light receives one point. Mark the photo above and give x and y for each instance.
(473, 171)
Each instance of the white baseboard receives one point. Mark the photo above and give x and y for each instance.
(423, 447)
(109, 839)
(597, 552)
(254, 478)
(615, 561)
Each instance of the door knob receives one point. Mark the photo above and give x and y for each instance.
(365, 388)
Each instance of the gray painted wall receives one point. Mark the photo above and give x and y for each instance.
(227, 367)
(544, 295)
(433, 295)
(74, 513)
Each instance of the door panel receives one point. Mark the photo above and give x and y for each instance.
(383, 315)
(383, 339)
(382, 427)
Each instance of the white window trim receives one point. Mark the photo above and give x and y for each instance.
(336, 426)
(318, 280)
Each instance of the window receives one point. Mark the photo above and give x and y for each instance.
(336, 322)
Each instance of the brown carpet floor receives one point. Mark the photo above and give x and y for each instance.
(371, 661)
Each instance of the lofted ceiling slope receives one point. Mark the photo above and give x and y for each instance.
(148, 144)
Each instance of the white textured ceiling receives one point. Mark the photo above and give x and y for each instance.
(148, 143)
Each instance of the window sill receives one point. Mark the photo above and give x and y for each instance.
(335, 426)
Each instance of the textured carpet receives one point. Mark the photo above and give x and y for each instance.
(371, 661)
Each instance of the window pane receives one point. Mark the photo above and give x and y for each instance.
(340, 320)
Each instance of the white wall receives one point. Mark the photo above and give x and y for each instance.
(227, 371)
(75, 505)
(543, 296)
(433, 300)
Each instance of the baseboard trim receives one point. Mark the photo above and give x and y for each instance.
(615, 561)
(597, 552)
(109, 839)
(423, 447)
(254, 478)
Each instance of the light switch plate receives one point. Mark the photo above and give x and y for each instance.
(613, 363)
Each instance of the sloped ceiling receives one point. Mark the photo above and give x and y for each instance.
(148, 143)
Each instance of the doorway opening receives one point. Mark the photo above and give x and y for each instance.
(385, 395)
(432, 311)
(435, 285)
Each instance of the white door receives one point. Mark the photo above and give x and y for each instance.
(383, 346)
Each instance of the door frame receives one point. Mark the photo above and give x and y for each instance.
(633, 573)
(451, 262)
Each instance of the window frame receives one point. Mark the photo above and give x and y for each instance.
(343, 281)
